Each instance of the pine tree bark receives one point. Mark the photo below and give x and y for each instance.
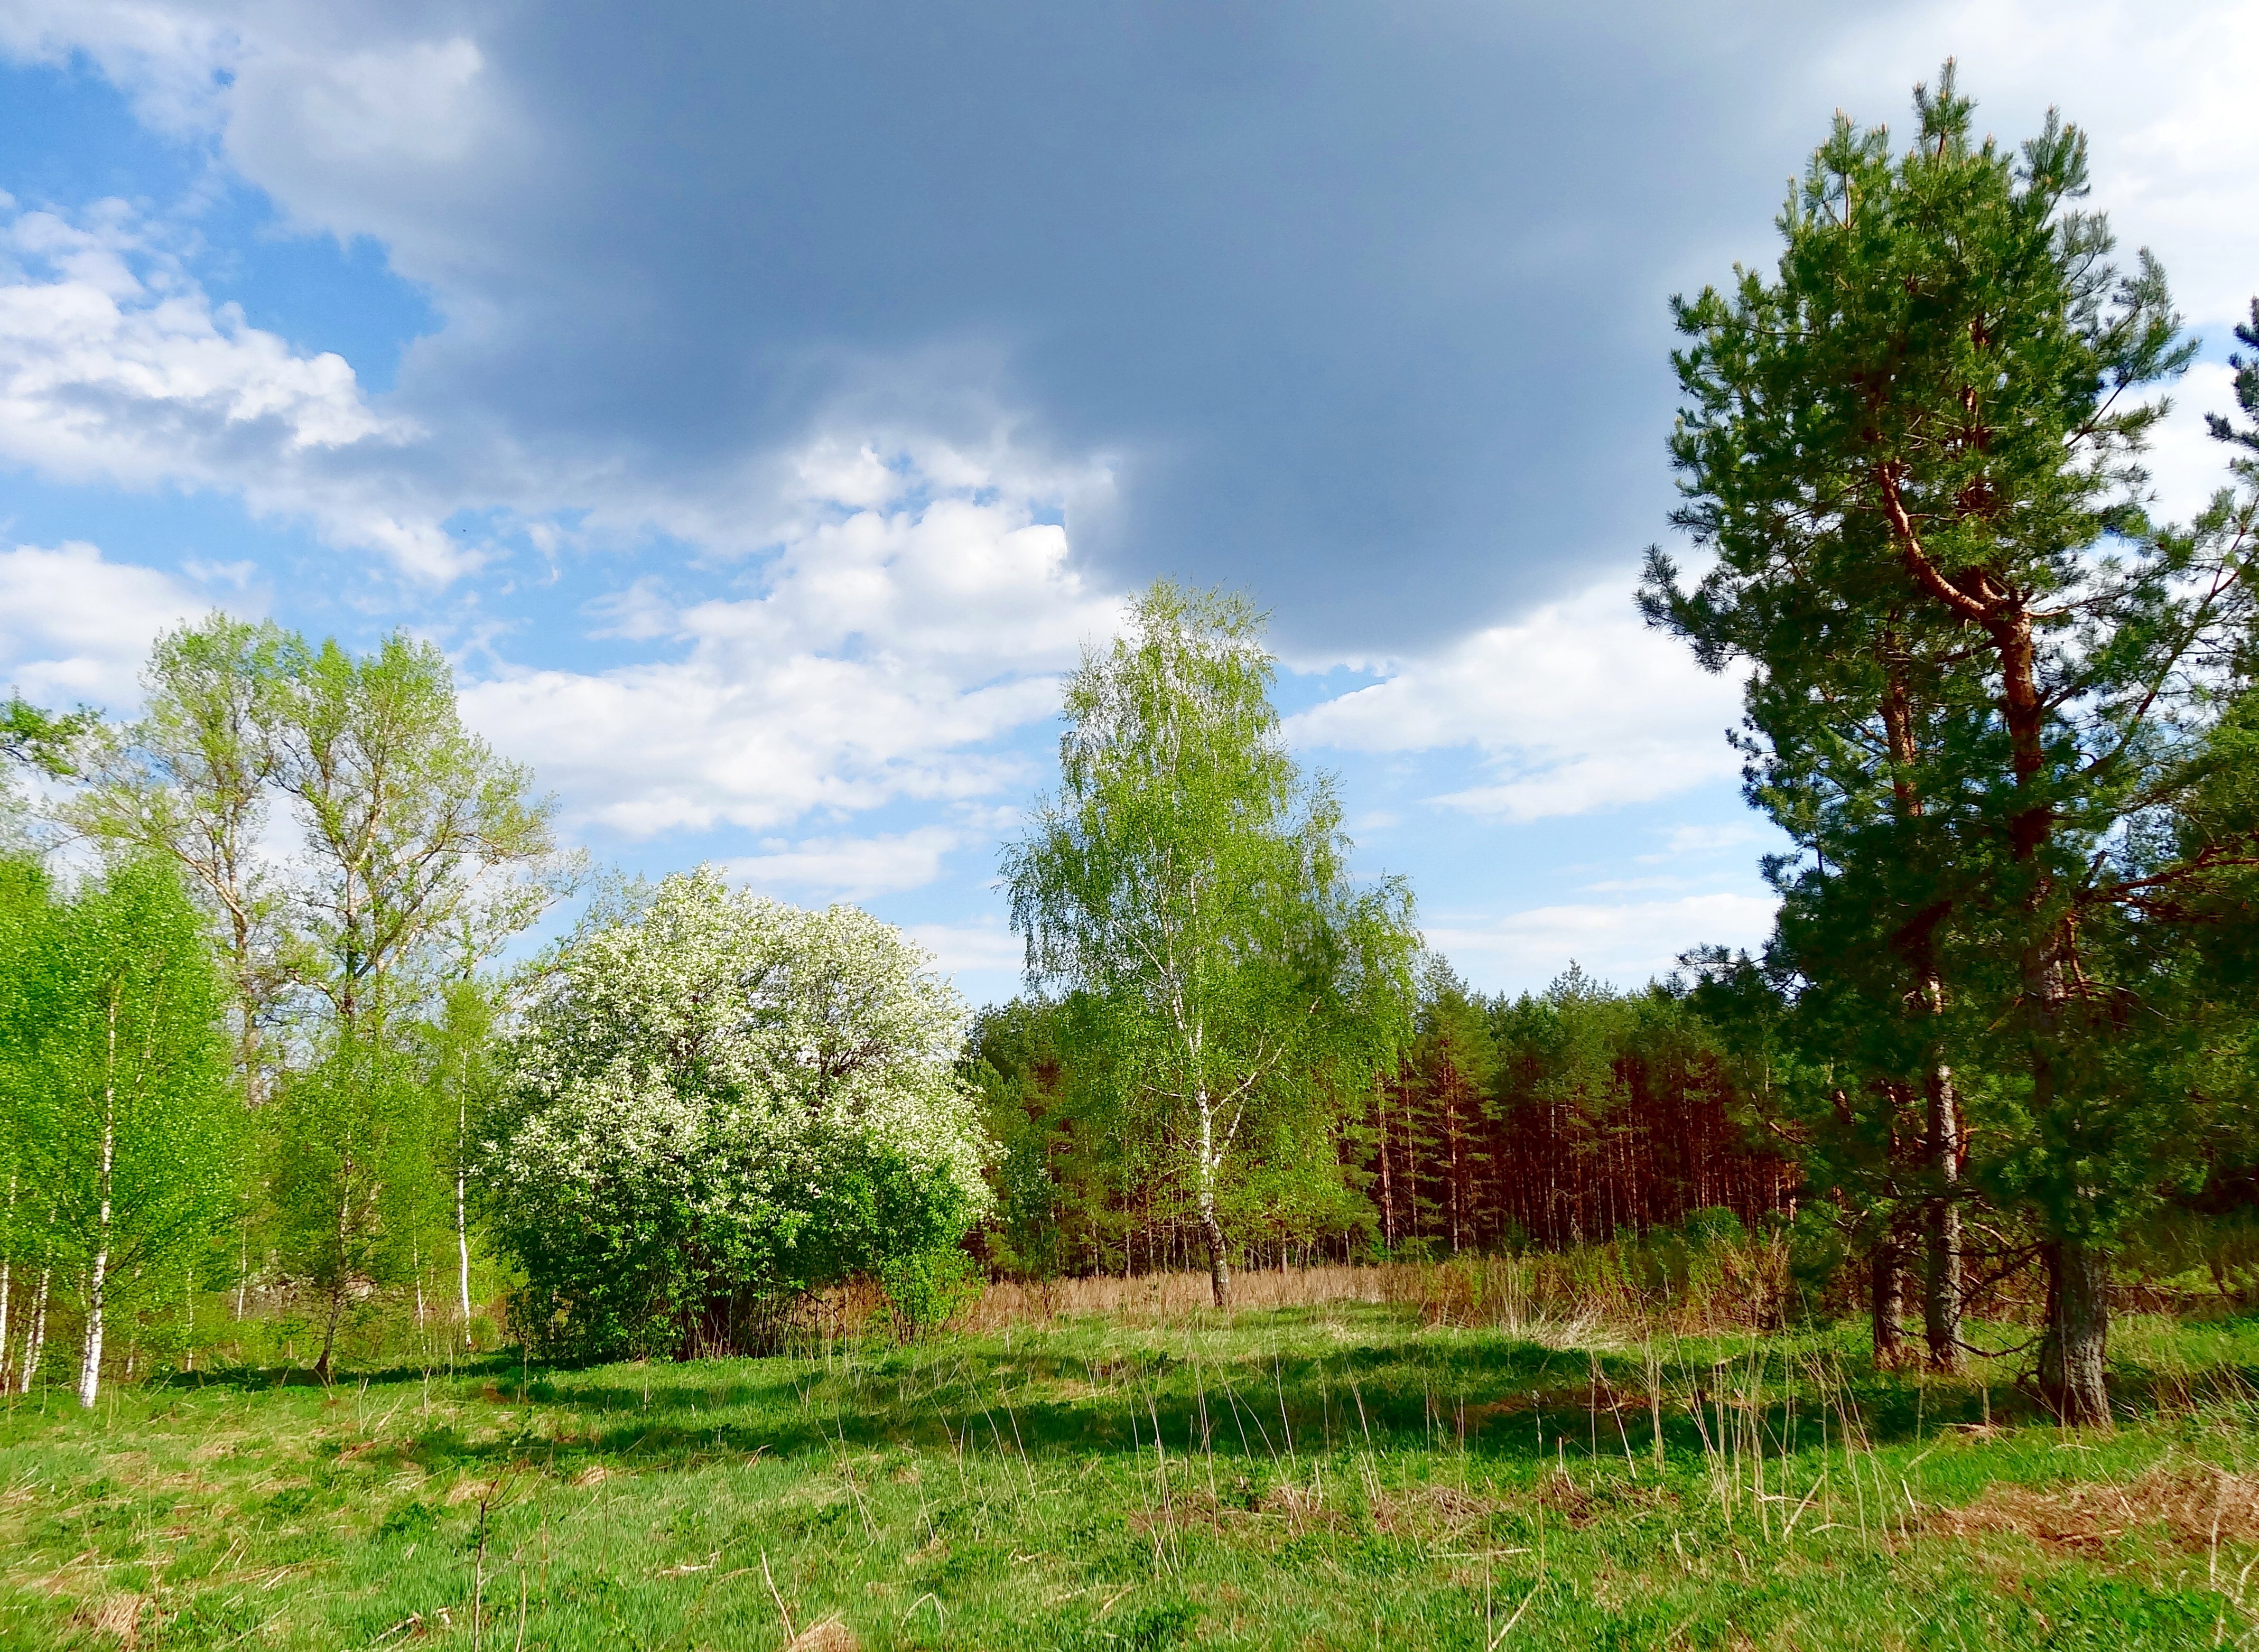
(1886, 1300)
(2075, 1348)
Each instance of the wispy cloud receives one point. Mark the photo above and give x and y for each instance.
(1574, 707)
(1629, 943)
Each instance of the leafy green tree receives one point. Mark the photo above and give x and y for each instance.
(140, 1148)
(718, 1103)
(423, 852)
(193, 780)
(1187, 890)
(409, 819)
(462, 1078)
(26, 1117)
(1920, 440)
(350, 1176)
(42, 739)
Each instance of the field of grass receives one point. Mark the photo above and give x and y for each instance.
(1342, 1475)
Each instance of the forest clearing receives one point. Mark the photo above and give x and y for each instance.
(1335, 1473)
(412, 1233)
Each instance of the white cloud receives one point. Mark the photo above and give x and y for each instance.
(2164, 92)
(848, 868)
(168, 58)
(116, 366)
(75, 627)
(1709, 840)
(2185, 464)
(1627, 944)
(1576, 707)
(988, 953)
(886, 647)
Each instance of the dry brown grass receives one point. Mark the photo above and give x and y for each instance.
(118, 1615)
(831, 1635)
(1150, 1297)
(2195, 1509)
(1583, 1299)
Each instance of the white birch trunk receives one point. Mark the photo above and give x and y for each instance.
(89, 1370)
(462, 1229)
(7, 1270)
(35, 1341)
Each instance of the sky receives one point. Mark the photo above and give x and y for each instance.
(763, 406)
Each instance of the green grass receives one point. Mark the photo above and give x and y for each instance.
(1328, 1477)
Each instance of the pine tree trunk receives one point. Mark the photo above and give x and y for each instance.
(1941, 1226)
(1886, 1296)
(2076, 1344)
(1387, 1185)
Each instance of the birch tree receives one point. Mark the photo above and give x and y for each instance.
(192, 781)
(423, 851)
(1186, 892)
(141, 1150)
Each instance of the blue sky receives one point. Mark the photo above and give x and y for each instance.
(763, 404)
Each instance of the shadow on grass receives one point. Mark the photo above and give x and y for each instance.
(1501, 1399)
(1507, 1403)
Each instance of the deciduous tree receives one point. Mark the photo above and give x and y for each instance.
(1187, 889)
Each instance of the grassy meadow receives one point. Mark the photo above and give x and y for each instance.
(1127, 1471)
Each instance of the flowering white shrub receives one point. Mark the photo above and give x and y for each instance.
(720, 1101)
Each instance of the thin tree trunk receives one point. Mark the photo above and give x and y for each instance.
(1886, 1295)
(462, 1250)
(1941, 1225)
(330, 1332)
(89, 1371)
(2076, 1344)
(343, 1282)
(1219, 1265)
(7, 1272)
(1941, 1135)
(35, 1341)
(1387, 1185)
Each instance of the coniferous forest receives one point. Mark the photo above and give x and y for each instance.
(395, 1188)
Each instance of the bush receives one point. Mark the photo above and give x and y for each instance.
(926, 1289)
(721, 1103)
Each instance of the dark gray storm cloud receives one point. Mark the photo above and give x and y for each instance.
(1366, 303)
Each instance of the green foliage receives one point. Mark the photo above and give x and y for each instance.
(1185, 894)
(1978, 673)
(1329, 1476)
(41, 739)
(123, 1130)
(927, 1288)
(349, 1174)
(419, 834)
(718, 1103)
